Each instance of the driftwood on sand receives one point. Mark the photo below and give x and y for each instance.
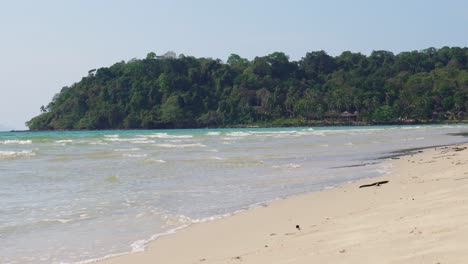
(373, 184)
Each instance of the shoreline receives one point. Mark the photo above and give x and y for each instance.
(268, 234)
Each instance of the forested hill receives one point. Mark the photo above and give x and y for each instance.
(182, 92)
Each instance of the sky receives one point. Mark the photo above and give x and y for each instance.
(48, 44)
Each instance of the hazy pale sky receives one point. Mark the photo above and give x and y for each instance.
(48, 44)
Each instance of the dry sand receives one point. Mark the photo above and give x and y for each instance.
(419, 216)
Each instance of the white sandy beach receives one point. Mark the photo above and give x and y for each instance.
(419, 216)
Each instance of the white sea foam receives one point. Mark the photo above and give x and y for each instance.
(135, 155)
(16, 142)
(97, 143)
(16, 154)
(64, 141)
(113, 139)
(287, 166)
(409, 127)
(321, 133)
(140, 245)
(413, 139)
(180, 221)
(274, 133)
(180, 145)
(128, 149)
(217, 158)
(231, 138)
(60, 220)
(142, 141)
(137, 140)
(167, 136)
(213, 133)
(239, 134)
(156, 160)
(67, 220)
(293, 166)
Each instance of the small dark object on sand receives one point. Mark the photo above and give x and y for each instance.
(298, 227)
(373, 184)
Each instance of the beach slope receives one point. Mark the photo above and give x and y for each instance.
(419, 216)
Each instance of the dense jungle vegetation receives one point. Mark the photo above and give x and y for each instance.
(187, 92)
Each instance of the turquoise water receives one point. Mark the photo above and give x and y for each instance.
(69, 197)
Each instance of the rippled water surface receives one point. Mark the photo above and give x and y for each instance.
(68, 197)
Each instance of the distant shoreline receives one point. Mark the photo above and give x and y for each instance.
(260, 125)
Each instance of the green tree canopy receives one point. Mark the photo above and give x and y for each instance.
(176, 92)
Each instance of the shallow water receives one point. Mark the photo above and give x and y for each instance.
(67, 197)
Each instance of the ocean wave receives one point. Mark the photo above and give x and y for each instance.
(287, 166)
(413, 139)
(239, 134)
(155, 161)
(140, 245)
(135, 155)
(331, 132)
(131, 140)
(64, 221)
(114, 139)
(142, 141)
(181, 221)
(60, 220)
(213, 133)
(231, 138)
(16, 141)
(167, 136)
(128, 149)
(216, 158)
(99, 142)
(313, 133)
(274, 133)
(111, 136)
(64, 141)
(180, 145)
(410, 127)
(16, 154)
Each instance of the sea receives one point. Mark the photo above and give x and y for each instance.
(80, 196)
